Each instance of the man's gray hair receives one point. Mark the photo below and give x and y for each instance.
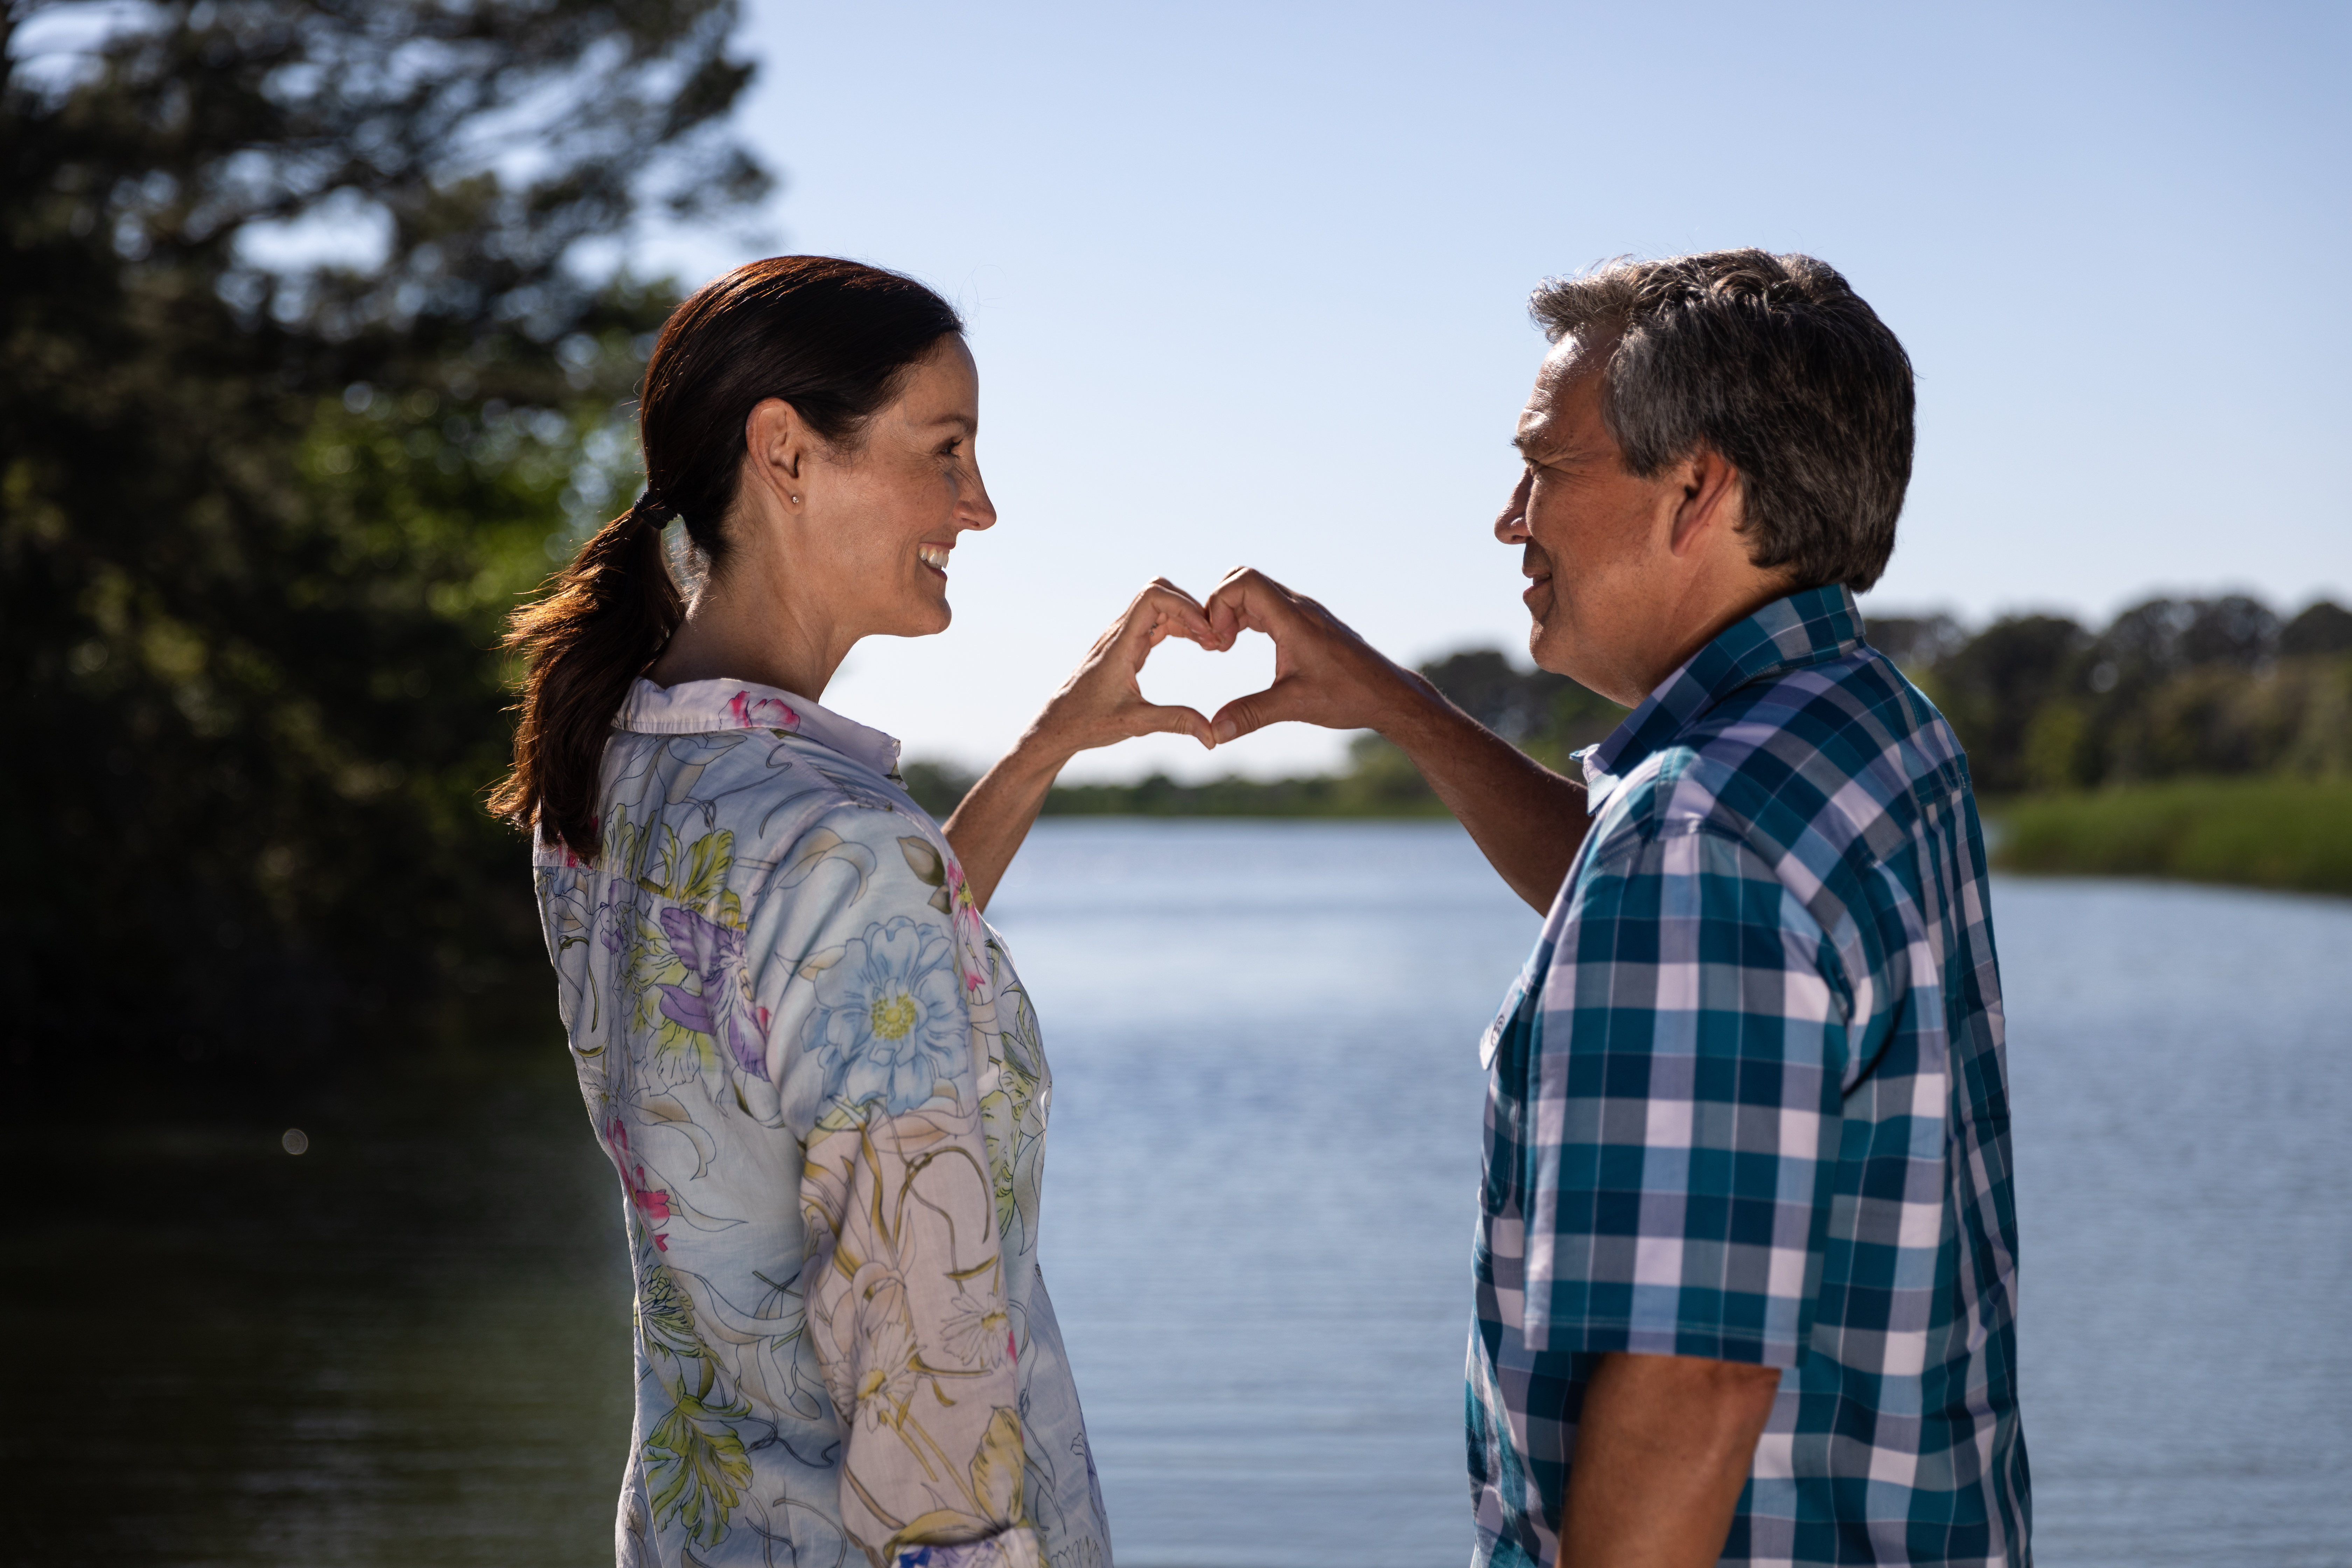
(1776, 364)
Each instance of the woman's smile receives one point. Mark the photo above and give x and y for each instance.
(934, 557)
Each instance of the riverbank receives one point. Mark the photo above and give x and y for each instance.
(2289, 832)
(2286, 833)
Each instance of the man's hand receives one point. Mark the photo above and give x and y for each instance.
(1526, 818)
(1323, 672)
(1663, 1448)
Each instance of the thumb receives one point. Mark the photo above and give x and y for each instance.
(1156, 719)
(1255, 712)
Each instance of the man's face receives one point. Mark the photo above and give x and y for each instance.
(1593, 537)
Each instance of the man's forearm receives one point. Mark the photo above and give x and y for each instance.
(1528, 820)
(1663, 1449)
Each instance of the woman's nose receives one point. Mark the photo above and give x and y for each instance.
(974, 510)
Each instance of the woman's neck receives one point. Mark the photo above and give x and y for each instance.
(751, 636)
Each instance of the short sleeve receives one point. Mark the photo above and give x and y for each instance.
(1687, 1051)
(903, 1272)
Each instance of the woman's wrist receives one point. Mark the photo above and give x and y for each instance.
(1043, 749)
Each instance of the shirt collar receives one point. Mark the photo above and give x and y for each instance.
(1809, 628)
(699, 707)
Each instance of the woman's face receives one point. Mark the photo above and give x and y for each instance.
(879, 520)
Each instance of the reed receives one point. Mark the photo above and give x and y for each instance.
(2271, 832)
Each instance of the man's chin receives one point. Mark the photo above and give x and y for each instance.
(1548, 652)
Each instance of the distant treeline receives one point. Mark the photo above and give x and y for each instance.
(2170, 688)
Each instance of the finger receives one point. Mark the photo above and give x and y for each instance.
(1164, 602)
(1195, 623)
(1275, 705)
(1166, 586)
(1179, 605)
(1157, 614)
(1247, 600)
(1258, 599)
(1153, 718)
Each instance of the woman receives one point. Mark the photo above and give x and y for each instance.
(808, 1057)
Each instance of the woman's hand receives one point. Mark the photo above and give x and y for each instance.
(1101, 705)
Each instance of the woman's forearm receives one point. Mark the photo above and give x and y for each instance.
(987, 828)
(1100, 705)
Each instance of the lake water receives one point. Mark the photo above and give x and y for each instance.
(409, 1345)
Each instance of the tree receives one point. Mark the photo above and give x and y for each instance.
(1992, 687)
(265, 497)
(2323, 627)
(1914, 642)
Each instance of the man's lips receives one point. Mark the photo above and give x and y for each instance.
(934, 557)
(1535, 564)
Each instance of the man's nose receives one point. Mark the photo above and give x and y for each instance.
(1511, 522)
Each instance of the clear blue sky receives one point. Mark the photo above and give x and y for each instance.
(1247, 284)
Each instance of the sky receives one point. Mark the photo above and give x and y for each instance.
(1247, 285)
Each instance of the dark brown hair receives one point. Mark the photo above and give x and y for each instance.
(834, 339)
(1778, 366)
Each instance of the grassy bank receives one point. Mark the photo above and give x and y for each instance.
(2261, 832)
(1379, 783)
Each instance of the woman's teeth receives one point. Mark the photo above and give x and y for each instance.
(934, 554)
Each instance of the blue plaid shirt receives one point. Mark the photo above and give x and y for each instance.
(1749, 1101)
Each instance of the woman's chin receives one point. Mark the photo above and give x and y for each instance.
(925, 620)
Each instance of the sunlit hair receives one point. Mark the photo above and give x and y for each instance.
(836, 339)
(1778, 366)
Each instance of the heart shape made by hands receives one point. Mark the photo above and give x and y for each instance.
(1183, 673)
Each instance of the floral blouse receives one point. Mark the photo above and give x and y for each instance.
(822, 1087)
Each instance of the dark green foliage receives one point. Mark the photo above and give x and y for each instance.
(1914, 642)
(2172, 687)
(1994, 686)
(258, 527)
(1484, 684)
(938, 787)
(1546, 715)
(2324, 627)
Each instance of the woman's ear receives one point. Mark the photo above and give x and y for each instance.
(776, 448)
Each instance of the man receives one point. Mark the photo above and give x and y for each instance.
(1745, 1263)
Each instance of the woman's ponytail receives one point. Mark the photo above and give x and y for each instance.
(836, 339)
(611, 611)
